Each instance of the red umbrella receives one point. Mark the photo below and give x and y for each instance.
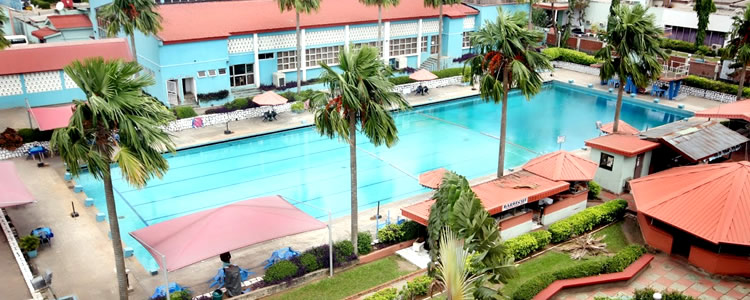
(432, 179)
(423, 75)
(52, 117)
(14, 192)
(269, 98)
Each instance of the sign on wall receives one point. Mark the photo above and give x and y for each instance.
(516, 203)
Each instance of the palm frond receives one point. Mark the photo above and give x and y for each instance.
(130, 16)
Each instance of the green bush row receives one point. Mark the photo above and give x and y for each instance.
(523, 245)
(613, 264)
(396, 233)
(569, 55)
(280, 271)
(364, 243)
(648, 294)
(183, 112)
(34, 135)
(587, 219)
(419, 286)
(688, 47)
(445, 73)
(384, 294)
(714, 85)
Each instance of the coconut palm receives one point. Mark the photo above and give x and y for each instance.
(360, 95)
(129, 16)
(632, 50)
(739, 46)
(439, 4)
(380, 4)
(452, 271)
(117, 124)
(703, 8)
(3, 42)
(506, 63)
(299, 6)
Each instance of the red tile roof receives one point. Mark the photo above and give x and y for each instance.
(54, 56)
(710, 201)
(562, 166)
(623, 144)
(70, 21)
(496, 194)
(735, 110)
(624, 128)
(186, 22)
(418, 212)
(432, 179)
(44, 32)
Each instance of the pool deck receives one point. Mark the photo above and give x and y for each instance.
(81, 257)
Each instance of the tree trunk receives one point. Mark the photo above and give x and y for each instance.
(503, 124)
(380, 30)
(299, 57)
(132, 44)
(114, 228)
(741, 87)
(616, 126)
(531, 14)
(440, 36)
(353, 171)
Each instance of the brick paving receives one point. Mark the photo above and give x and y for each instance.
(665, 273)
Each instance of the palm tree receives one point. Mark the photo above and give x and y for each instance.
(632, 50)
(116, 124)
(360, 94)
(452, 273)
(299, 6)
(439, 4)
(739, 46)
(531, 14)
(380, 4)
(704, 8)
(129, 16)
(3, 19)
(506, 63)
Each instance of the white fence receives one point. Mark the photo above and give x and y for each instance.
(21, 151)
(411, 87)
(710, 95)
(576, 67)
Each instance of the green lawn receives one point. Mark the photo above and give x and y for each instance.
(615, 238)
(352, 281)
(547, 262)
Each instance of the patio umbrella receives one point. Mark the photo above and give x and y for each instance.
(269, 98)
(52, 117)
(14, 192)
(423, 75)
(432, 179)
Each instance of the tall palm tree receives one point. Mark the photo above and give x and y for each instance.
(380, 4)
(129, 16)
(531, 14)
(439, 4)
(739, 46)
(116, 124)
(704, 9)
(360, 95)
(452, 272)
(632, 50)
(3, 42)
(506, 63)
(299, 6)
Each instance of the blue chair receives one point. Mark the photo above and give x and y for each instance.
(161, 292)
(45, 235)
(279, 255)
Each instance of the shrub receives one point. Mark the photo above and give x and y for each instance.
(412, 230)
(587, 220)
(623, 258)
(384, 294)
(450, 72)
(594, 190)
(568, 55)
(704, 50)
(219, 95)
(714, 85)
(398, 80)
(391, 234)
(237, 104)
(678, 45)
(542, 237)
(180, 295)
(29, 243)
(364, 243)
(464, 57)
(648, 294)
(523, 245)
(280, 271)
(183, 112)
(34, 135)
(309, 261)
(419, 286)
(10, 139)
(298, 107)
(343, 249)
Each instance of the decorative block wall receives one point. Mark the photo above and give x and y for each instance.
(363, 33)
(333, 36)
(21, 151)
(241, 45)
(404, 29)
(69, 83)
(430, 27)
(42, 81)
(10, 85)
(469, 23)
(280, 41)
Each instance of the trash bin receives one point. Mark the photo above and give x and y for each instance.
(217, 295)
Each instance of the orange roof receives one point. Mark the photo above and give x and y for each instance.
(432, 179)
(418, 212)
(734, 110)
(563, 166)
(710, 201)
(186, 22)
(623, 144)
(516, 189)
(44, 32)
(54, 56)
(624, 128)
(70, 21)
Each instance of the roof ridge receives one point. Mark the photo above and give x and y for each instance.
(685, 189)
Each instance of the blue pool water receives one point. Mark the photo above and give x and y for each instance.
(302, 166)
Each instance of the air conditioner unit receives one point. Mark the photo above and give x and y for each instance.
(279, 79)
(715, 47)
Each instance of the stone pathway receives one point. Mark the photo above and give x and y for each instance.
(666, 273)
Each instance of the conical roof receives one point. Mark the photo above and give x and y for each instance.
(562, 166)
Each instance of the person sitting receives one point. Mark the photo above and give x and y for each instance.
(419, 90)
(425, 91)
(273, 115)
(232, 276)
(267, 116)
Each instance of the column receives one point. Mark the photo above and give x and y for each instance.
(419, 43)
(386, 41)
(303, 60)
(256, 64)
(346, 37)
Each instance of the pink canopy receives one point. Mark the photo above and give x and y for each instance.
(422, 75)
(269, 98)
(14, 192)
(52, 117)
(189, 239)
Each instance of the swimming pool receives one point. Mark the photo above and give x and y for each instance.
(460, 135)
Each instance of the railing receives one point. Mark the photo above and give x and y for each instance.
(675, 69)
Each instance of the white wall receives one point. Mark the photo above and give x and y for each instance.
(516, 230)
(548, 219)
(613, 180)
(598, 12)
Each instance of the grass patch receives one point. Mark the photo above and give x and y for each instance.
(349, 282)
(615, 238)
(547, 262)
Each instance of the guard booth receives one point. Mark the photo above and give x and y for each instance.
(620, 157)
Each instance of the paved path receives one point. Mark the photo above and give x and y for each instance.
(12, 286)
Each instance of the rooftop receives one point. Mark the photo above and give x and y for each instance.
(562, 165)
(70, 21)
(54, 56)
(624, 128)
(501, 194)
(697, 140)
(734, 110)
(622, 144)
(44, 32)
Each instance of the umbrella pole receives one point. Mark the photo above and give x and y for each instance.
(330, 244)
(166, 276)
(28, 112)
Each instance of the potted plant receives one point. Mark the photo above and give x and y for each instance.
(29, 244)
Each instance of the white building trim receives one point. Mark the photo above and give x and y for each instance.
(386, 41)
(256, 64)
(419, 43)
(303, 55)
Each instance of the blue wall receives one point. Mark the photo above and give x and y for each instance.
(77, 34)
(267, 67)
(489, 13)
(42, 98)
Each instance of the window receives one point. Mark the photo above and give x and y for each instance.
(606, 161)
(433, 44)
(223, 71)
(240, 75)
(405, 46)
(201, 74)
(286, 60)
(212, 73)
(328, 55)
(265, 56)
(467, 39)
(358, 46)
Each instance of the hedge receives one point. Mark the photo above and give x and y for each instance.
(419, 286)
(384, 294)
(523, 245)
(678, 45)
(569, 55)
(222, 94)
(714, 85)
(34, 135)
(594, 190)
(280, 271)
(614, 264)
(587, 219)
(184, 112)
(364, 243)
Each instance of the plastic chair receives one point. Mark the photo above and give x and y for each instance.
(279, 255)
(45, 235)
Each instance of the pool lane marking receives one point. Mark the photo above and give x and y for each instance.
(480, 132)
(129, 205)
(388, 163)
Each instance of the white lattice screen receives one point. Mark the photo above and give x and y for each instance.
(404, 29)
(70, 84)
(281, 41)
(469, 22)
(333, 36)
(363, 33)
(430, 27)
(241, 45)
(42, 81)
(10, 85)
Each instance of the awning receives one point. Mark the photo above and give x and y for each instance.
(52, 117)
(623, 128)
(516, 189)
(269, 98)
(423, 75)
(736, 110)
(189, 239)
(14, 192)
(698, 141)
(562, 166)
(419, 212)
(710, 201)
(432, 179)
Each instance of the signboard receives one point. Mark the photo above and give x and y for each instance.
(516, 203)
(561, 139)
